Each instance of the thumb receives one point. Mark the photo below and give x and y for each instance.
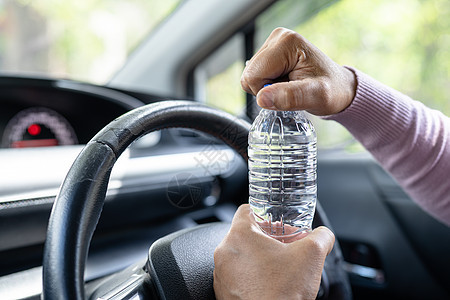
(321, 240)
(308, 94)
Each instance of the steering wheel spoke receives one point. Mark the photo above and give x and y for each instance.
(131, 283)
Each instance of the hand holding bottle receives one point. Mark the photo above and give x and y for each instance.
(252, 265)
(306, 78)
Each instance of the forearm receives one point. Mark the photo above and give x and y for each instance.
(411, 141)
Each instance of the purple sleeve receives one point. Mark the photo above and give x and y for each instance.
(410, 140)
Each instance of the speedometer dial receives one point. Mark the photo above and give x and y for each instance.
(38, 127)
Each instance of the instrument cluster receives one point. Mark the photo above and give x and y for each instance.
(44, 113)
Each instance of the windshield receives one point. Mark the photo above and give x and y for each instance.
(81, 40)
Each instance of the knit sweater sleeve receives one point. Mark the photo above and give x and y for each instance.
(408, 139)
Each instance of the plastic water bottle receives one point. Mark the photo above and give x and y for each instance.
(282, 173)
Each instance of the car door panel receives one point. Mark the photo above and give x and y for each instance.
(372, 216)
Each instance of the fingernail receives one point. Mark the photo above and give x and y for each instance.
(265, 99)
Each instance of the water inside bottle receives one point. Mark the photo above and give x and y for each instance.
(282, 173)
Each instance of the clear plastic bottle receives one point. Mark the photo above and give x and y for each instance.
(282, 173)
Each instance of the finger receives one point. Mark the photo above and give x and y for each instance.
(245, 85)
(243, 220)
(246, 73)
(259, 72)
(239, 227)
(278, 56)
(242, 212)
(322, 240)
(245, 228)
(311, 94)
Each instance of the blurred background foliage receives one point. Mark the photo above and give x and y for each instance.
(229, 97)
(83, 40)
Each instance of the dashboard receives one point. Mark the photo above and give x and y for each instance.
(42, 112)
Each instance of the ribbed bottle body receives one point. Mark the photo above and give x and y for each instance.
(282, 172)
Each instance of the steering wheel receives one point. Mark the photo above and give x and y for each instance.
(180, 265)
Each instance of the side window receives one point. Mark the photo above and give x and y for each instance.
(217, 78)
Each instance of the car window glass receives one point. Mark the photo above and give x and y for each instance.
(217, 78)
(82, 40)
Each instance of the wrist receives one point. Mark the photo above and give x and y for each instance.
(349, 87)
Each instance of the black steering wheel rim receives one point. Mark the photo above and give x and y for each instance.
(79, 202)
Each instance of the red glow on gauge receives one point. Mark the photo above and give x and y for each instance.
(34, 143)
(34, 129)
